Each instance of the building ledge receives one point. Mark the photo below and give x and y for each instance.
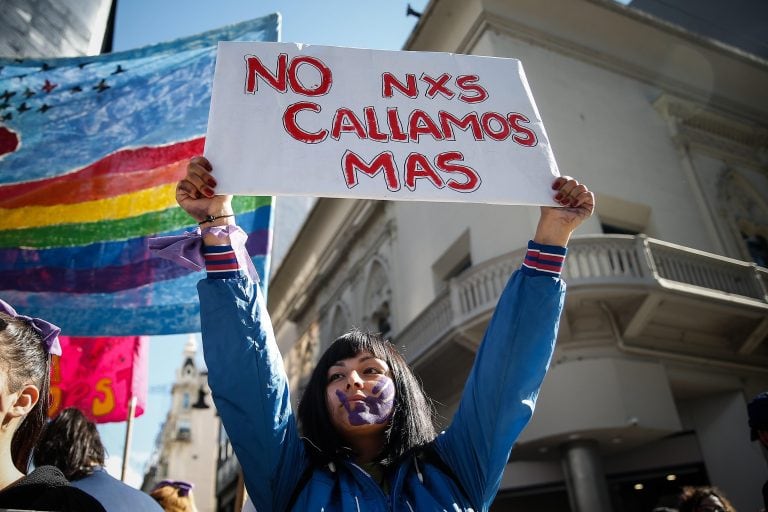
(656, 294)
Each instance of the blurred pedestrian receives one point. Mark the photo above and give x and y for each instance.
(757, 409)
(174, 496)
(704, 499)
(26, 347)
(72, 443)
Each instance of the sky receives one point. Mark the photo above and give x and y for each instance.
(377, 24)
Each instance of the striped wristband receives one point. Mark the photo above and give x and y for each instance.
(544, 260)
(220, 262)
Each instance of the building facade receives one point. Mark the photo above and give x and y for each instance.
(187, 446)
(663, 337)
(50, 28)
(230, 487)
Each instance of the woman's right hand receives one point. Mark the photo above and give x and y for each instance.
(195, 193)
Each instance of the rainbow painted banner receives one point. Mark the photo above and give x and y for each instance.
(90, 151)
(117, 371)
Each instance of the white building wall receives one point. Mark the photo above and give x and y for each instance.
(426, 230)
(605, 131)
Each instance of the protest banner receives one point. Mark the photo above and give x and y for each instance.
(291, 119)
(99, 376)
(91, 149)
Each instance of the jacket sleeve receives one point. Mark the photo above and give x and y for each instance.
(502, 387)
(249, 386)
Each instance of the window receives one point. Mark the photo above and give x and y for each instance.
(377, 298)
(460, 267)
(183, 431)
(757, 246)
(380, 320)
(610, 229)
(188, 368)
(622, 217)
(746, 215)
(340, 322)
(185, 401)
(225, 446)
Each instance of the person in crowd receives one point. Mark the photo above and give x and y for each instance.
(757, 410)
(704, 499)
(174, 496)
(369, 440)
(26, 347)
(72, 443)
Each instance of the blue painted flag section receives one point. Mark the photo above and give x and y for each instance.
(90, 151)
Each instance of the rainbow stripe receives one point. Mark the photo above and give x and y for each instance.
(88, 174)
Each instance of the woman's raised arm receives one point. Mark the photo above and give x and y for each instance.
(513, 357)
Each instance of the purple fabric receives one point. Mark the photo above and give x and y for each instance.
(48, 332)
(183, 487)
(186, 249)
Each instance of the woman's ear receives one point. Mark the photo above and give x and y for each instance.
(25, 401)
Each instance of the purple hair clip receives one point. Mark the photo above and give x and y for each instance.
(47, 331)
(183, 487)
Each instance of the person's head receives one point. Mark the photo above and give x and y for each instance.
(757, 410)
(26, 345)
(71, 443)
(174, 496)
(362, 385)
(704, 499)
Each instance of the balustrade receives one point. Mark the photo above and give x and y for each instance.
(619, 260)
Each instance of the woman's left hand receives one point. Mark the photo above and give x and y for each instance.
(557, 224)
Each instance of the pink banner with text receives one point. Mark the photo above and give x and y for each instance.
(99, 375)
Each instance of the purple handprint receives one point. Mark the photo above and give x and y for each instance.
(373, 409)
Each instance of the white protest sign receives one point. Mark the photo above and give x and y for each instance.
(289, 119)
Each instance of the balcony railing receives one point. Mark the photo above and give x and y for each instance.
(615, 260)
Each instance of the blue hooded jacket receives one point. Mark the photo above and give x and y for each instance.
(250, 389)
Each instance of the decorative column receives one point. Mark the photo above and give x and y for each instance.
(584, 476)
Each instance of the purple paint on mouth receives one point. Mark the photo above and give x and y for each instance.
(375, 409)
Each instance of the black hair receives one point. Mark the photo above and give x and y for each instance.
(24, 360)
(691, 498)
(71, 443)
(412, 424)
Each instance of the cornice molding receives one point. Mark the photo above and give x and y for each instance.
(715, 132)
(495, 23)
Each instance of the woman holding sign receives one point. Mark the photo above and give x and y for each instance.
(369, 442)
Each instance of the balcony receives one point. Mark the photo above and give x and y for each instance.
(634, 291)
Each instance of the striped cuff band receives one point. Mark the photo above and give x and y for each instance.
(544, 260)
(220, 262)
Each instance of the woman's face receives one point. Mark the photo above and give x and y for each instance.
(360, 394)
